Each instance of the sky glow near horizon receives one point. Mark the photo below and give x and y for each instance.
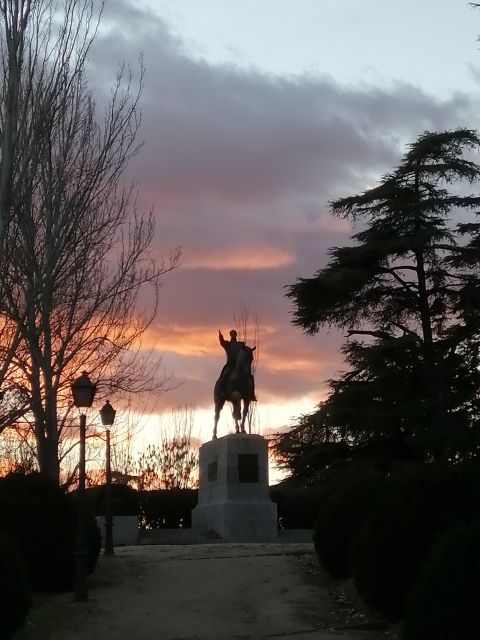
(255, 115)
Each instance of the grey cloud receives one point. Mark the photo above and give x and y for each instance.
(227, 134)
(238, 159)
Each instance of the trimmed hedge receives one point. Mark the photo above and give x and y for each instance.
(415, 507)
(444, 605)
(170, 509)
(15, 590)
(342, 516)
(42, 519)
(297, 507)
(125, 500)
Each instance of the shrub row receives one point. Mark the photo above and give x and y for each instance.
(171, 509)
(297, 506)
(167, 509)
(37, 542)
(125, 500)
(383, 530)
(443, 604)
(341, 517)
(15, 589)
(42, 519)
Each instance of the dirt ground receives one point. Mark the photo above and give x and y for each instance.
(203, 592)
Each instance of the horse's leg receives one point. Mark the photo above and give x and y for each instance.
(236, 416)
(247, 397)
(218, 407)
(236, 409)
(246, 404)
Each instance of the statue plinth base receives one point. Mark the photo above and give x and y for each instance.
(233, 496)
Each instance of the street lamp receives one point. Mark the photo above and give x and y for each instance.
(83, 391)
(107, 414)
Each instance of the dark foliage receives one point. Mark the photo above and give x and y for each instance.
(297, 507)
(43, 521)
(93, 535)
(341, 517)
(125, 500)
(167, 509)
(15, 589)
(406, 293)
(444, 605)
(309, 449)
(416, 505)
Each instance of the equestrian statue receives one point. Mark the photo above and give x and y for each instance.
(236, 383)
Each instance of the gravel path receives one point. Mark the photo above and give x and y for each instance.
(197, 592)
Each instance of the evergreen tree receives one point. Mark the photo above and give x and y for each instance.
(407, 294)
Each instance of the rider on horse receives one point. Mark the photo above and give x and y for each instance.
(232, 348)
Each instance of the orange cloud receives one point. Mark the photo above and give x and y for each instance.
(186, 340)
(201, 341)
(288, 362)
(240, 259)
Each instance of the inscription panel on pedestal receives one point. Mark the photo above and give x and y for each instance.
(212, 471)
(248, 467)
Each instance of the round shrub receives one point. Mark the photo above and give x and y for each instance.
(15, 590)
(43, 521)
(341, 517)
(92, 534)
(444, 604)
(94, 543)
(125, 500)
(415, 507)
(297, 507)
(167, 509)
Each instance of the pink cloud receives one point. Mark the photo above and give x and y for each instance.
(245, 258)
(239, 168)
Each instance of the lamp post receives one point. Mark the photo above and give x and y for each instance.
(107, 414)
(83, 391)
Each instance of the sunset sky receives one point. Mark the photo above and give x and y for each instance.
(255, 115)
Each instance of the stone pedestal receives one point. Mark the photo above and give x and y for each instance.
(233, 497)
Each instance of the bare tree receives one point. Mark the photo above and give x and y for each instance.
(172, 463)
(79, 249)
(16, 128)
(16, 451)
(16, 87)
(126, 428)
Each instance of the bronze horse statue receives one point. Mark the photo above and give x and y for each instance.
(238, 389)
